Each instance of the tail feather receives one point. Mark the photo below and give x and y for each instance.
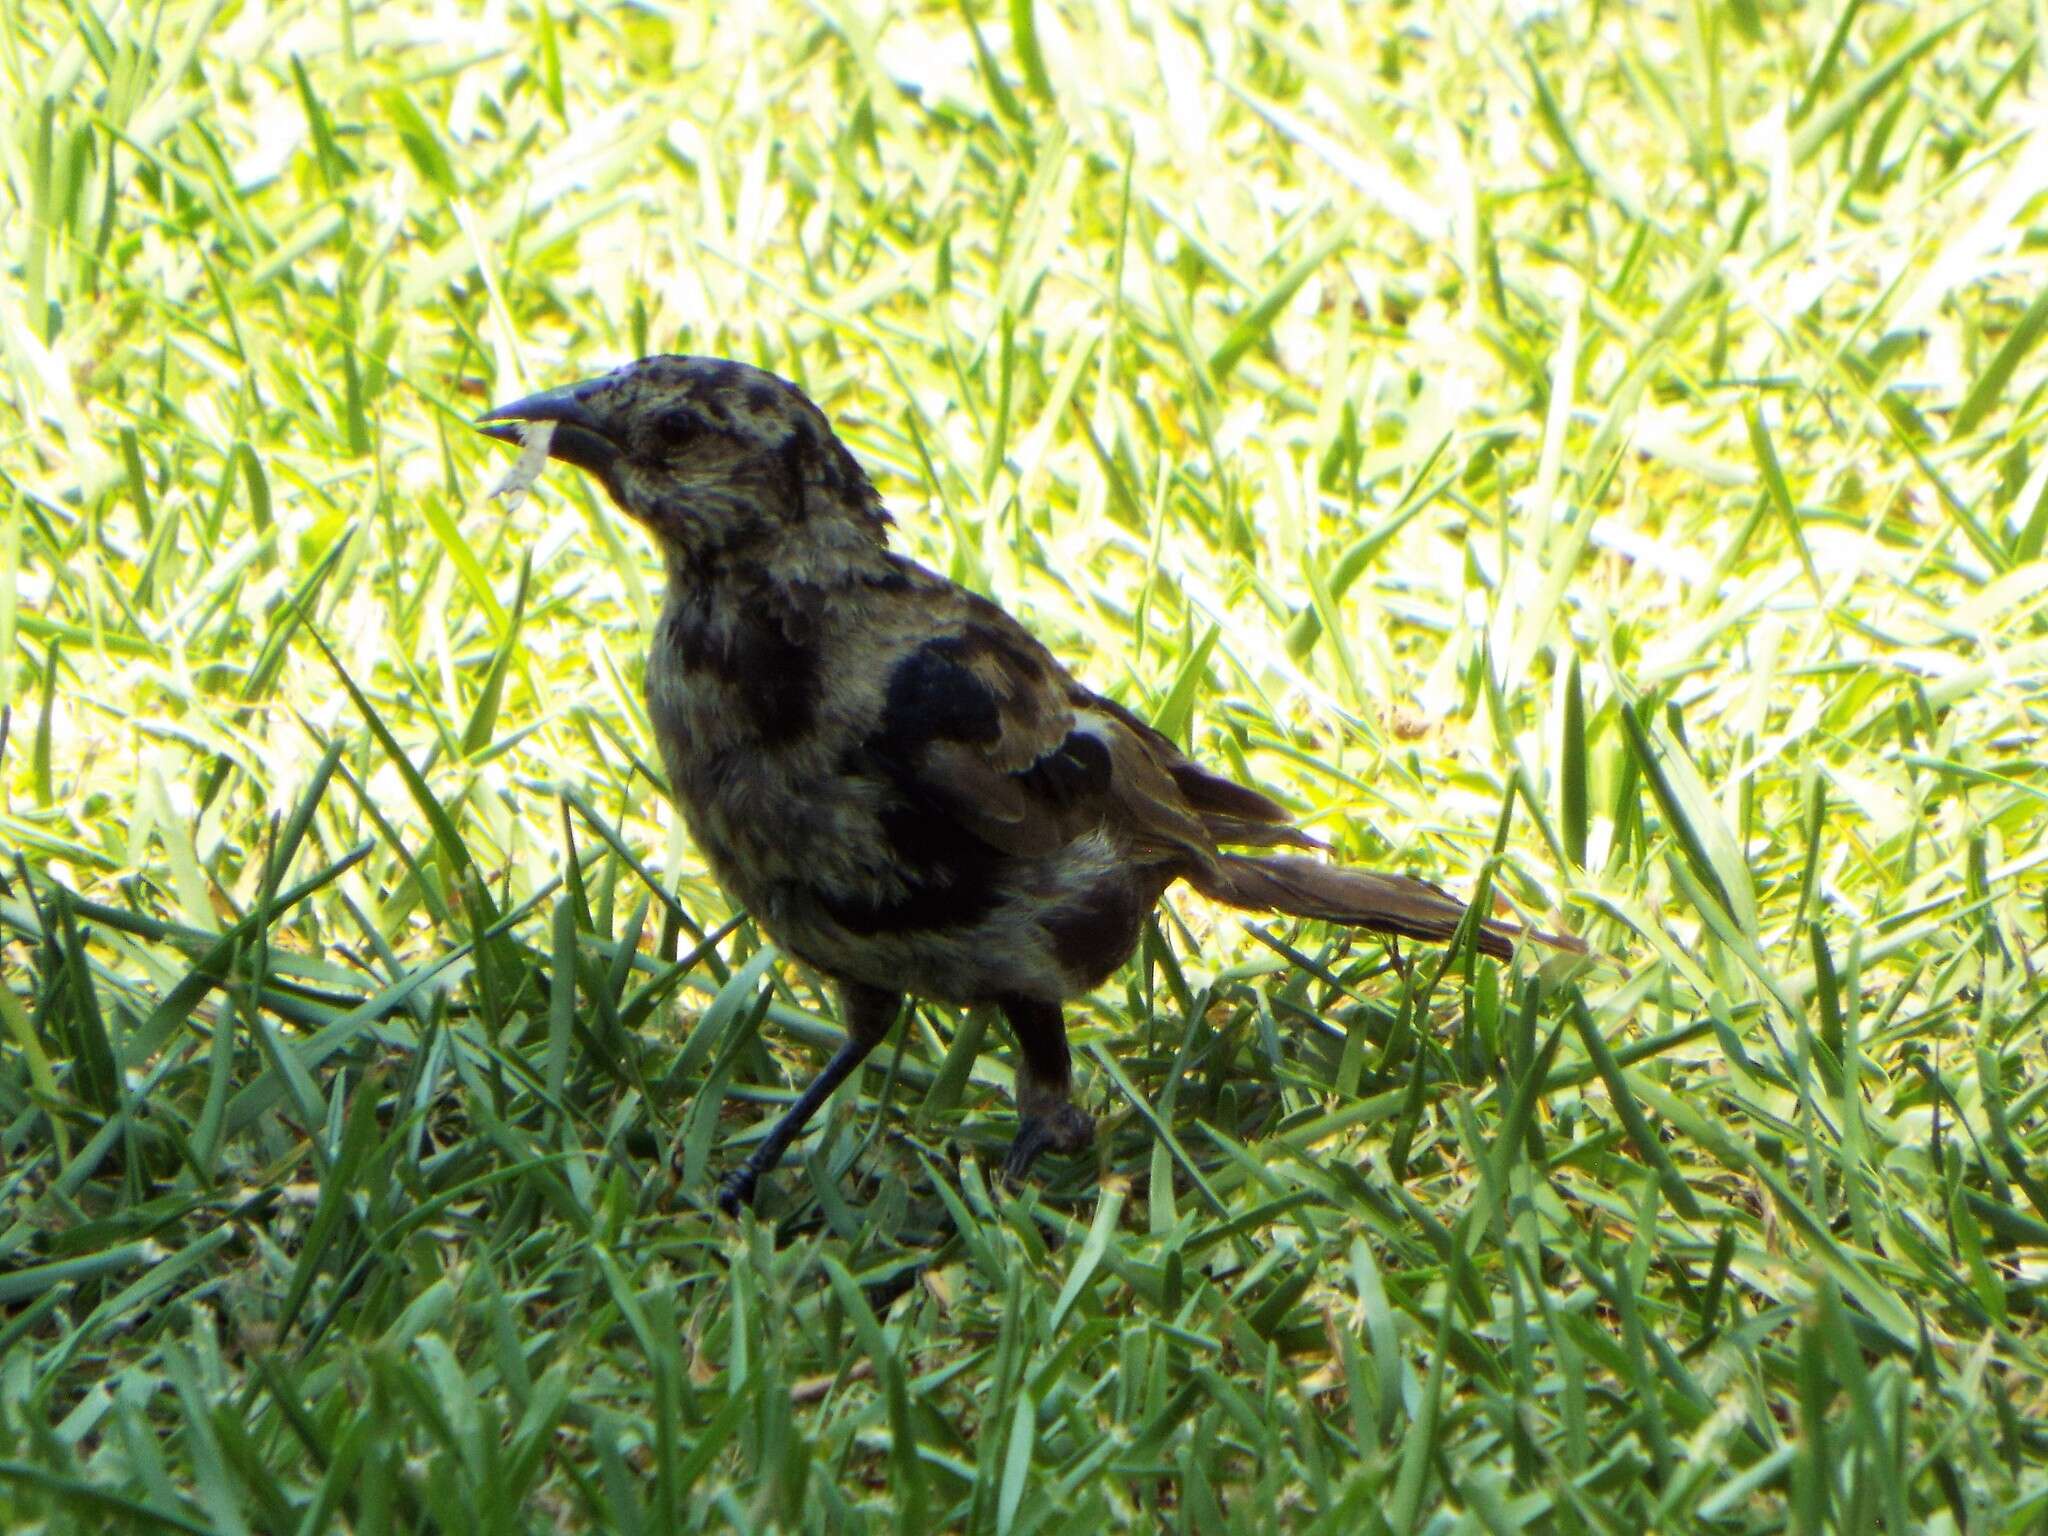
(1360, 898)
(1239, 831)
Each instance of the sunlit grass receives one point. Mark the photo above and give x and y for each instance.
(1591, 454)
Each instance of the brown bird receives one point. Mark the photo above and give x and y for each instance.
(890, 773)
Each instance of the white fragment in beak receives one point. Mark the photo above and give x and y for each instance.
(536, 435)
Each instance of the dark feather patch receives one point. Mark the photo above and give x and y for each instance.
(1096, 934)
(764, 660)
(955, 879)
(934, 697)
(794, 457)
(711, 377)
(894, 577)
(1078, 769)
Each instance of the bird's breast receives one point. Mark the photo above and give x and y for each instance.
(753, 775)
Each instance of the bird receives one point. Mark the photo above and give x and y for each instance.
(905, 789)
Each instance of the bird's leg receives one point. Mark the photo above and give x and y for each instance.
(868, 1012)
(1046, 1115)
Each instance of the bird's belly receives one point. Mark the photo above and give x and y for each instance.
(1054, 926)
(809, 858)
(769, 833)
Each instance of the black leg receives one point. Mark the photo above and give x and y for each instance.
(1046, 1116)
(869, 1011)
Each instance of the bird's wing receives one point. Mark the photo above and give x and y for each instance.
(985, 726)
(975, 723)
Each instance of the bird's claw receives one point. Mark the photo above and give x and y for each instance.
(1063, 1128)
(1031, 1140)
(736, 1189)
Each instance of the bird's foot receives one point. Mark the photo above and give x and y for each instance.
(737, 1189)
(1061, 1127)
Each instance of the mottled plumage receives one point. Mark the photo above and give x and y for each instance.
(891, 774)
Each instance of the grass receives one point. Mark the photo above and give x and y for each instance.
(1589, 454)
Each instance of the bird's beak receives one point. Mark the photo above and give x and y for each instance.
(580, 436)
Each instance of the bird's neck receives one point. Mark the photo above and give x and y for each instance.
(814, 558)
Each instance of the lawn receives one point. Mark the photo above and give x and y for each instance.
(1592, 456)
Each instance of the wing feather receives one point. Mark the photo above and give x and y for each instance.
(983, 724)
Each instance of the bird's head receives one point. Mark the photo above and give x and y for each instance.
(720, 460)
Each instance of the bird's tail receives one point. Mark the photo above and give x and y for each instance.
(1359, 898)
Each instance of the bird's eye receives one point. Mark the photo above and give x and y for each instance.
(677, 427)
